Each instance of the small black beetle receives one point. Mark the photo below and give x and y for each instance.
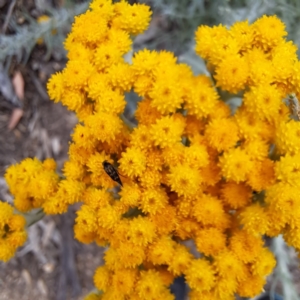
(112, 172)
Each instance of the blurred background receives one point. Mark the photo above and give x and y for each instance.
(52, 265)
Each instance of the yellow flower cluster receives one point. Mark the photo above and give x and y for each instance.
(12, 231)
(190, 169)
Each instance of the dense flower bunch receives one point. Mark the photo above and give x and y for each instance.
(191, 170)
(12, 231)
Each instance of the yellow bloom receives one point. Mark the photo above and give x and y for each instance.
(196, 156)
(200, 275)
(269, 31)
(236, 164)
(141, 231)
(264, 175)
(264, 263)
(17, 223)
(140, 137)
(73, 170)
(184, 180)
(166, 93)
(292, 237)
(87, 218)
(209, 210)
(284, 55)
(173, 155)
(7, 251)
(261, 69)
(56, 86)
(130, 194)
(104, 8)
(89, 28)
(236, 195)
(246, 246)
(287, 137)
(106, 55)
(226, 262)
(151, 178)
(165, 220)
(145, 113)
(251, 127)
(222, 134)
(6, 212)
(251, 285)
(120, 76)
(108, 217)
(72, 190)
(120, 39)
(254, 219)
(16, 238)
(243, 33)
(284, 201)
(124, 280)
(208, 37)
(144, 62)
(55, 204)
(287, 170)
(132, 18)
(181, 261)
(225, 288)
(110, 102)
(130, 255)
(103, 126)
(263, 101)
(102, 278)
(167, 131)
(210, 241)
(153, 200)
(203, 99)
(161, 251)
(133, 162)
(150, 285)
(83, 137)
(83, 235)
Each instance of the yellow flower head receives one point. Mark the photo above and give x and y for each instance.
(287, 137)
(181, 261)
(269, 31)
(56, 86)
(104, 127)
(232, 73)
(222, 134)
(243, 33)
(141, 231)
(153, 201)
(200, 275)
(150, 285)
(145, 113)
(133, 162)
(287, 170)
(254, 219)
(167, 131)
(202, 100)
(161, 251)
(207, 38)
(263, 101)
(184, 180)
(236, 164)
(236, 195)
(246, 246)
(226, 262)
(6, 213)
(210, 241)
